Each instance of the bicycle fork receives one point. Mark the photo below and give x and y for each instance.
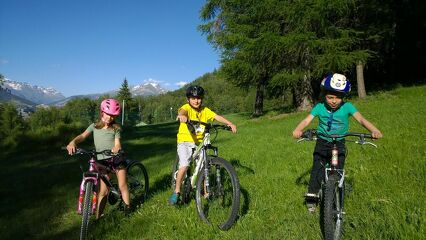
(207, 167)
(94, 179)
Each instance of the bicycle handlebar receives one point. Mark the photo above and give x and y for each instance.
(93, 152)
(311, 135)
(208, 126)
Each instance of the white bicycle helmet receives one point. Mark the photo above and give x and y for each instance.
(336, 83)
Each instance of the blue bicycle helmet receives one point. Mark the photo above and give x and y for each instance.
(336, 83)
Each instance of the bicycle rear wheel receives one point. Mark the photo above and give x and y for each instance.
(87, 209)
(138, 182)
(333, 211)
(218, 196)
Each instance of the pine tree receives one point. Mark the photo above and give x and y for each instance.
(124, 96)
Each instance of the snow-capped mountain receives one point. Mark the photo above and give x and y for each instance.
(147, 89)
(50, 96)
(34, 93)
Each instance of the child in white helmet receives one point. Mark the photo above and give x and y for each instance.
(333, 114)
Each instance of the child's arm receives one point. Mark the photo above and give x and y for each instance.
(73, 144)
(368, 125)
(182, 116)
(117, 146)
(227, 122)
(297, 132)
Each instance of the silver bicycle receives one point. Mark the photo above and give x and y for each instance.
(331, 195)
(213, 179)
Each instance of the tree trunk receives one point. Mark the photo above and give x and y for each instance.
(303, 95)
(258, 104)
(360, 80)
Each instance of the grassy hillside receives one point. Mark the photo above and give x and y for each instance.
(385, 198)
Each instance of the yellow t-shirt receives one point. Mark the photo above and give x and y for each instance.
(204, 115)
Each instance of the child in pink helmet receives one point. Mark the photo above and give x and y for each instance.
(106, 136)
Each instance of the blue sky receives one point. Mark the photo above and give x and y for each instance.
(90, 46)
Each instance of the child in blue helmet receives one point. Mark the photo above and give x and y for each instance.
(333, 115)
(187, 140)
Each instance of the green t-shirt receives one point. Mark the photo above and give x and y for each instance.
(103, 139)
(333, 122)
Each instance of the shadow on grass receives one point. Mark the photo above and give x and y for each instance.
(163, 184)
(303, 179)
(245, 206)
(245, 202)
(155, 130)
(240, 167)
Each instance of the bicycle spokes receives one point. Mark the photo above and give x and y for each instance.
(218, 195)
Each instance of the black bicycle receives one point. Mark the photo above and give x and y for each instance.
(215, 181)
(136, 177)
(332, 192)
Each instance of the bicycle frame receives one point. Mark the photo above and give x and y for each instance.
(94, 174)
(332, 192)
(310, 135)
(332, 168)
(200, 157)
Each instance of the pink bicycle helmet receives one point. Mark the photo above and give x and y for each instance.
(110, 107)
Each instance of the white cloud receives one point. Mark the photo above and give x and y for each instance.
(3, 61)
(181, 84)
(151, 80)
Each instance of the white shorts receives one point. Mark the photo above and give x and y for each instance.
(184, 151)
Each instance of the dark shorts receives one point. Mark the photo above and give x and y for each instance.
(114, 163)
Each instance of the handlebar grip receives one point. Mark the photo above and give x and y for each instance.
(310, 133)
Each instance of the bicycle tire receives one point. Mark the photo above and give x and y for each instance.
(222, 205)
(87, 209)
(138, 182)
(186, 190)
(332, 212)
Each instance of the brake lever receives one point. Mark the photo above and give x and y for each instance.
(366, 143)
(307, 139)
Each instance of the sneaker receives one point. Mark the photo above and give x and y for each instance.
(173, 200)
(127, 210)
(311, 195)
(311, 201)
(312, 207)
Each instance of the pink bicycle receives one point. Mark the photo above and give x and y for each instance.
(137, 180)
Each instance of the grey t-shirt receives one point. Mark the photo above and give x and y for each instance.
(103, 139)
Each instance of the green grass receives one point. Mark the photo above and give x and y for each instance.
(385, 197)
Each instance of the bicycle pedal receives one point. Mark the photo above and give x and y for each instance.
(115, 193)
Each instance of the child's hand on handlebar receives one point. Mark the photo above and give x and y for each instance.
(376, 134)
(71, 148)
(297, 133)
(181, 118)
(233, 127)
(115, 149)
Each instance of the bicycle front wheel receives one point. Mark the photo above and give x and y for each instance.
(87, 209)
(333, 212)
(138, 182)
(218, 194)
